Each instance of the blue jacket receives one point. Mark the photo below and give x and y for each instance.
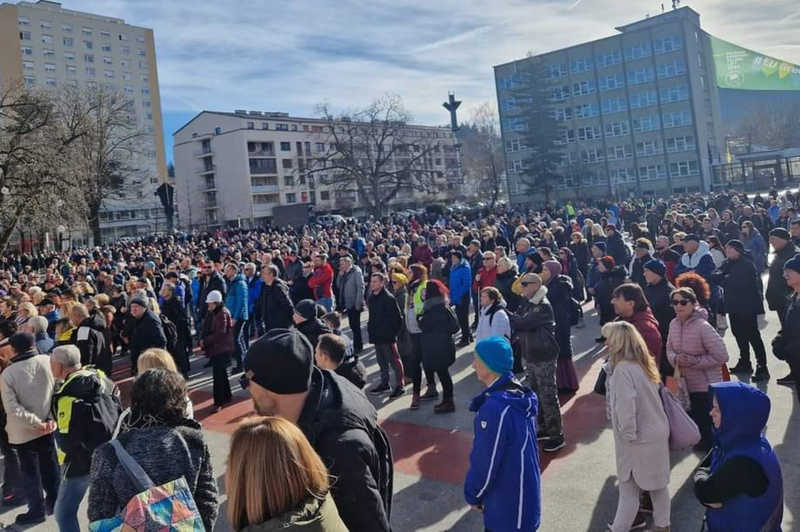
(503, 471)
(522, 256)
(758, 248)
(195, 291)
(460, 281)
(236, 300)
(745, 411)
(702, 263)
(254, 286)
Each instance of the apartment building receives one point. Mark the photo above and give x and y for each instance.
(640, 111)
(233, 169)
(45, 45)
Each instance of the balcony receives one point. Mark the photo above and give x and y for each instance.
(206, 152)
(207, 170)
(265, 189)
(261, 153)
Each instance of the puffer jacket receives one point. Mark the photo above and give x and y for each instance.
(697, 339)
(493, 322)
(237, 299)
(533, 328)
(460, 282)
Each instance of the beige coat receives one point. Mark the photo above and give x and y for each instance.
(641, 429)
(27, 393)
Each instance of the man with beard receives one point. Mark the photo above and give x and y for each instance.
(668, 256)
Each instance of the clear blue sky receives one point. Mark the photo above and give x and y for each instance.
(288, 56)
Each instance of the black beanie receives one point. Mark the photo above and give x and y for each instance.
(281, 361)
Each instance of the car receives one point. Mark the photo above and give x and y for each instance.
(330, 220)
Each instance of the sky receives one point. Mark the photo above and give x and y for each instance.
(291, 55)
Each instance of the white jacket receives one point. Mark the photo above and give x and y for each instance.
(499, 326)
(27, 392)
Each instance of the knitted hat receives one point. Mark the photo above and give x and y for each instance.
(306, 309)
(656, 266)
(140, 299)
(22, 342)
(737, 245)
(215, 296)
(601, 246)
(281, 361)
(553, 267)
(608, 262)
(780, 232)
(793, 264)
(495, 352)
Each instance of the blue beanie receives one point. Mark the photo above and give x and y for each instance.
(496, 353)
(656, 266)
(601, 246)
(793, 264)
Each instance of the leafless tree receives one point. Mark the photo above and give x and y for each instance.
(482, 154)
(373, 151)
(774, 127)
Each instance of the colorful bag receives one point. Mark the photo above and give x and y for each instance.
(683, 431)
(169, 507)
(680, 392)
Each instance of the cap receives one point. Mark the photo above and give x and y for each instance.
(780, 232)
(215, 296)
(736, 244)
(691, 237)
(281, 361)
(306, 308)
(150, 264)
(656, 266)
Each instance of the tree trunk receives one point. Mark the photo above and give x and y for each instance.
(5, 236)
(93, 221)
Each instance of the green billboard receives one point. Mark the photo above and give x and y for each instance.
(740, 68)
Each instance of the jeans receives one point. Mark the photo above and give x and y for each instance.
(699, 412)
(462, 313)
(745, 329)
(70, 495)
(326, 302)
(240, 344)
(628, 506)
(388, 355)
(37, 459)
(354, 320)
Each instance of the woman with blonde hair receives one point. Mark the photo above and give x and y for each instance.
(25, 311)
(641, 428)
(276, 481)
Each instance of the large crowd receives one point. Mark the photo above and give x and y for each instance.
(666, 277)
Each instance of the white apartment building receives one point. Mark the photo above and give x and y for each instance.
(45, 45)
(232, 169)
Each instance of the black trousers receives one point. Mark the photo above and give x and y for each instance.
(447, 382)
(745, 329)
(12, 473)
(462, 313)
(181, 354)
(222, 384)
(415, 367)
(354, 320)
(700, 413)
(37, 459)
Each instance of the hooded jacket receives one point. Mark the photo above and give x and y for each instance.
(503, 473)
(533, 328)
(237, 300)
(493, 322)
(460, 282)
(312, 516)
(700, 342)
(745, 411)
(702, 263)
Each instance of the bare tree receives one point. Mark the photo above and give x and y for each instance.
(774, 127)
(483, 153)
(372, 151)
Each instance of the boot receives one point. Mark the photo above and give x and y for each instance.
(661, 529)
(430, 394)
(447, 406)
(762, 374)
(414, 402)
(742, 367)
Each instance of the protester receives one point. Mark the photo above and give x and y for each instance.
(147, 329)
(306, 321)
(37, 326)
(217, 343)
(610, 277)
(291, 491)
(459, 288)
(503, 481)
(88, 337)
(786, 345)
(438, 324)
(383, 327)
(559, 293)
(350, 298)
(321, 282)
(236, 301)
(331, 354)
(175, 311)
(494, 316)
(777, 289)
(416, 305)
(657, 292)
(631, 305)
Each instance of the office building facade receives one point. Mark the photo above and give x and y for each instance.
(45, 45)
(640, 112)
(233, 169)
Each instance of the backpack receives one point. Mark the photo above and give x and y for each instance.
(171, 332)
(576, 312)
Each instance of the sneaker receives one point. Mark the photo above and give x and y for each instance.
(464, 343)
(430, 394)
(542, 437)
(788, 380)
(554, 445)
(381, 388)
(639, 523)
(447, 406)
(742, 367)
(30, 519)
(397, 392)
(49, 506)
(762, 374)
(13, 499)
(414, 402)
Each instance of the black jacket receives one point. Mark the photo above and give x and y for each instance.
(658, 296)
(559, 293)
(618, 250)
(342, 426)
(786, 345)
(637, 270)
(739, 281)
(533, 328)
(312, 329)
(215, 282)
(385, 318)
(438, 323)
(90, 341)
(276, 305)
(609, 281)
(353, 370)
(175, 311)
(147, 333)
(777, 289)
(504, 282)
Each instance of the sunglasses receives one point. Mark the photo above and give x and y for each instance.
(528, 283)
(681, 302)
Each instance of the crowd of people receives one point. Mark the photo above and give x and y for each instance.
(269, 306)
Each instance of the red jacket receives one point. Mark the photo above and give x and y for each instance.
(647, 325)
(321, 282)
(487, 279)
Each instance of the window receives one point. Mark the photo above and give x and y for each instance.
(72, 70)
(47, 39)
(674, 94)
(645, 123)
(508, 104)
(29, 80)
(677, 119)
(652, 172)
(142, 53)
(608, 59)
(86, 32)
(567, 137)
(146, 79)
(641, 100)
(642, 75)
(623, 175)
(26, 50)
(555, 71)
(700, 61)
(69, 42)
(127, 89)
(105, 35)
(581, 65)
(106, 48)
(25, 35)
(682, 143)
(263, 181)
(617, 129)
(126, 76)
(559, 94)
(108, 74)
(49, 54)
(684, 169)
(286, 146)
(145, 92)
(251, 125)
(88, 45)
(110, 87)
(218, 131)
(639, 51)
(90, 71)
(614, 105)
(324, 195)
(586, 110)
(108, 61)
(515, 123)
(282, 127)
(66, 28)
(28, 65)
(264, 125)
(595, 155)
(648, 147)
(125, 63)
(583, 87)
(291, 197)
(69, 56)
(669, 44)
(50, 82)
(261, 199)
(671, 69)
(46, 25)
(140, 39)
(287, 164)
(513, 145)
(123, 36)
(147, 105)
(515, 166)
(49, 67)
(589, 133)
(617, 153)
(320, 147)
(124, 50)
(24, 21)
(611, 82)
(143, 65)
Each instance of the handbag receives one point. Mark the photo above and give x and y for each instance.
(600, 383)
(169, 506)
(677, 385)
(683, 431)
